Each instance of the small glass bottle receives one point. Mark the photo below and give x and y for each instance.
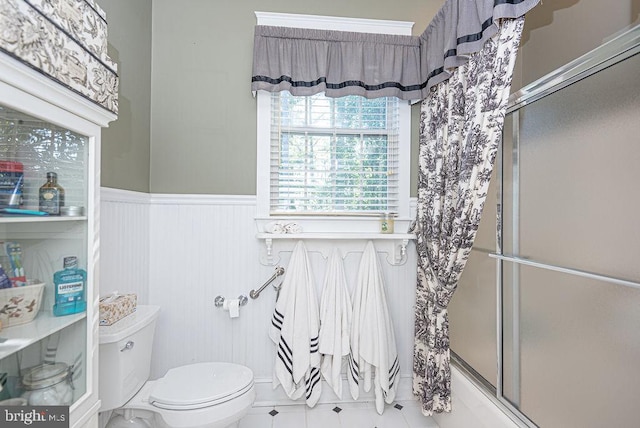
(51, 195)
(70, 284)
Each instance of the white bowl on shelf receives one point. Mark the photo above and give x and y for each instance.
(20, 305)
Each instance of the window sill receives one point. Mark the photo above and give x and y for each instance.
(394, 244)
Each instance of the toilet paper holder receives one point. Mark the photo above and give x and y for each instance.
(231, 305)
(219, 301)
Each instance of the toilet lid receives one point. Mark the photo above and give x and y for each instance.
(200, 385)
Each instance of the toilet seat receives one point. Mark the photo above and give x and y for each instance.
(196, 386)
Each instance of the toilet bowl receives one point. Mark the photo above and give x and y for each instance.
(212, 395)
(207, 395)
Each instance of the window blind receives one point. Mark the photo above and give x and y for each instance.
(333, 156)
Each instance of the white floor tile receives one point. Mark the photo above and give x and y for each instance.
(390, 418)
(356, 418)
(352, 415)
(290, 419)
(415, 419)
(256, 421)
(322, 418)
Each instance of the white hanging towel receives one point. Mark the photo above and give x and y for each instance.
(373, 343)
(335, 322)
(294, 329)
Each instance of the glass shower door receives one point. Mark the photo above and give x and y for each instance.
(547, 313)
(570, 252)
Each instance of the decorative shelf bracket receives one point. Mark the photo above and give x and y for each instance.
(399, 253)
(267, 258)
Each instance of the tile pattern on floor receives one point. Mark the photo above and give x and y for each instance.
(404, 414)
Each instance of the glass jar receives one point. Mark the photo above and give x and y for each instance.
(48, 385)
(387, 222)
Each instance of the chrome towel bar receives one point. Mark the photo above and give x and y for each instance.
(254, 294)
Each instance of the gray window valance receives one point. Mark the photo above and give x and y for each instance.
(339, 63)
(306, 62)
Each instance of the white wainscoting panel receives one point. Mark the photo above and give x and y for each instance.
(124, 243)
(202, 246)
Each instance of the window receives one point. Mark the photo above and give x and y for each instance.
(333, 164)
(333, 155)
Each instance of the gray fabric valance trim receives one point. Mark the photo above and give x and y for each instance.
(461, 28)
(338, 63)
(306, 62)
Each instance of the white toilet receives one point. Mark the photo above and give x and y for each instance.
(207, 395)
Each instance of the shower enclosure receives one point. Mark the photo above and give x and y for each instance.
(547, 314)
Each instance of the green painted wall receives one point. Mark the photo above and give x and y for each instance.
(126, 144)
(187, 119)
(203, 113)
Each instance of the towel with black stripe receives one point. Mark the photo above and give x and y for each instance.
(295, 328)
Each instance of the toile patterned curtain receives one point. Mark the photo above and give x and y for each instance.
(460, 127)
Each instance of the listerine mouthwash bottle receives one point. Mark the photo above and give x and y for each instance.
(70, 284)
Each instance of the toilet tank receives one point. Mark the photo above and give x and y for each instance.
(125, 356)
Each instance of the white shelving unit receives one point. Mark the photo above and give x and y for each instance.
(16, 338)
(24, 91)
(30, 220)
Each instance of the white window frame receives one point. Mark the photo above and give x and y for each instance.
(334, 223)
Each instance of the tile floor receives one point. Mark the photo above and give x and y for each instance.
(403, 414)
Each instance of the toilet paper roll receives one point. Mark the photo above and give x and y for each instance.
(233, 306)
